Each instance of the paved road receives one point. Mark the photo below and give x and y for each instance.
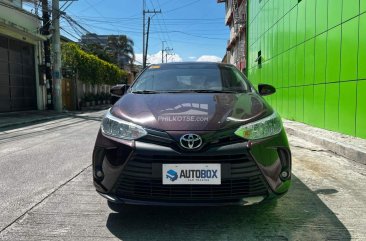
(326, 202)
(35, 160)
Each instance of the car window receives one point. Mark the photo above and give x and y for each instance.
(232, 79)
(191, 77)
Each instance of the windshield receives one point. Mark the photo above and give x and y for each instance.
(186, 77)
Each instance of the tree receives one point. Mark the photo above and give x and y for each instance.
(99, 51)
(90, 68)
(121, 48)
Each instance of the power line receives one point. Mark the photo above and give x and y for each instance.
(183, 6)
(70, 34)
(161, 29)
(166, 29)
(140, 18)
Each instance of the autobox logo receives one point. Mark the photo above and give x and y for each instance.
(194, 112)
(172, 175)
(192, 174)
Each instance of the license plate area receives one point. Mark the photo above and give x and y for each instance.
(191, 174)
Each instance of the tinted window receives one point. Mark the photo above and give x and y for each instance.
(191, 77)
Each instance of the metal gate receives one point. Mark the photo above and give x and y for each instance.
(17, 75)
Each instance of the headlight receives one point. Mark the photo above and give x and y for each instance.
(268, 126)
(114, 127)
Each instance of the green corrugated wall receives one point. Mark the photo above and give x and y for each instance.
(314, 53)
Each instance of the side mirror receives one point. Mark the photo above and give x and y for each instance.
(117, 92)
(265, 89)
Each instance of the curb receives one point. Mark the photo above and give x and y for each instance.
(23, 122)
(50, 116)
(350, 147)
(30, 117)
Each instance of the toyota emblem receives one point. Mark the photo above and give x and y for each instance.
(190, 141)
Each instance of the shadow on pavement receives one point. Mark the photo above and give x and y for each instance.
(299, 215)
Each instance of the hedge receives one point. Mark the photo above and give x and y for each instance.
(90, 68)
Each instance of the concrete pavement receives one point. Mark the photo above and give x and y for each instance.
(326, 202)
(35, 160)
(47, 194)
(314, 209)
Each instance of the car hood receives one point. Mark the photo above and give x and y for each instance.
(191, 111)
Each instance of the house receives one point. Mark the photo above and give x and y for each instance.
(21, 87)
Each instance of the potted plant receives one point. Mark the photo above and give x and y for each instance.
(100, 98)
(106, 98)
(88, 100)
(82, 102)
(96, 98)
(92, 99)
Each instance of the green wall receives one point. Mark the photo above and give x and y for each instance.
(314, 53)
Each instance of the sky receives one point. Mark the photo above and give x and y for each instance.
(194, 29)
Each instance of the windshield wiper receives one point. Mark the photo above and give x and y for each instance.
(185, 91)
(213, 91)
(145, 92)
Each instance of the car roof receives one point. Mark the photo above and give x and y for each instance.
(171, 64)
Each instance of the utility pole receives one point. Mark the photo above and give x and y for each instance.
(56, 55)
(167, 52)
(47, 54)
(162, 52)
(144, 50)
(147, 40)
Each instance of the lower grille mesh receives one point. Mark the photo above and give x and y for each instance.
(142, 179)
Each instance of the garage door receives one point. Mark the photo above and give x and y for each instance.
(17, 76)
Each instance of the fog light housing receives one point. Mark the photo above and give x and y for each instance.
(285, 158)
(99, 174)
(285, 174)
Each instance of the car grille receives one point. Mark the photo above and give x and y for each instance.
(209, 140)
(142, 179)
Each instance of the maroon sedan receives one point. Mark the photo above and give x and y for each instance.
(191, 134)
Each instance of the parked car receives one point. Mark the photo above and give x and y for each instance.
(191, 134)
(117, 91)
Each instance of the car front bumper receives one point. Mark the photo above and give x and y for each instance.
(131, 172)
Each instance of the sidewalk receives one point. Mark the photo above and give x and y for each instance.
(28, 117)
(350, 147)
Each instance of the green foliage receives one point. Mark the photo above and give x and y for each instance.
(99, 51)
(90, 68)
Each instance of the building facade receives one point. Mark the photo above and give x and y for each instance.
(20, 55)
(93, 38)
(314, 53)
(235, 19)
